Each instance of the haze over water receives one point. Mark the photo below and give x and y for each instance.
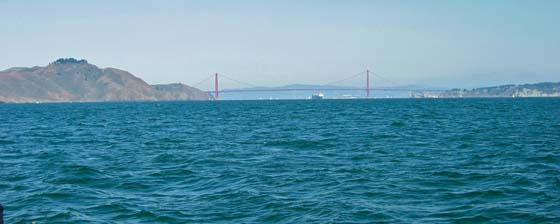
(331, 161)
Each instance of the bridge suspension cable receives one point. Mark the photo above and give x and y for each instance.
(204, 80)
(384, 79)
(345, 79)
(237, 81)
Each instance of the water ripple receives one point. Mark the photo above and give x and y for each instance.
(331, 161)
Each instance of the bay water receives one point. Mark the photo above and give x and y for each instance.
(293, 161)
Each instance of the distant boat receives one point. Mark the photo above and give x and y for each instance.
(346, 96)
(318, 96)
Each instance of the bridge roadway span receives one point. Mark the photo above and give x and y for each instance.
(325, 89)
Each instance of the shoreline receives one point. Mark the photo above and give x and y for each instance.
(326, 99)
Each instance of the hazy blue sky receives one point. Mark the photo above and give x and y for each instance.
(438, 43)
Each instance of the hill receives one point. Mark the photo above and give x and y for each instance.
(544, 89)
(71, 80)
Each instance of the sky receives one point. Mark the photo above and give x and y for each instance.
(446, 43)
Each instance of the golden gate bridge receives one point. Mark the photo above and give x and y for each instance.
(367, 88)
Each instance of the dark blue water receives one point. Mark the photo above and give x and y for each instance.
(331, 161)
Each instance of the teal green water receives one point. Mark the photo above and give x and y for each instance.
(330, 161)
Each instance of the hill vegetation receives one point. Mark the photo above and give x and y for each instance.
(543, 89)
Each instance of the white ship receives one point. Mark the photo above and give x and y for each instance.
(318, 96)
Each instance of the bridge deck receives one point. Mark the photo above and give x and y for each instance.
(326, 89)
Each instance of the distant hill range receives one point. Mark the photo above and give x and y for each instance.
(543, 89)
(71, 80)
(283, 92)
(330, 92)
